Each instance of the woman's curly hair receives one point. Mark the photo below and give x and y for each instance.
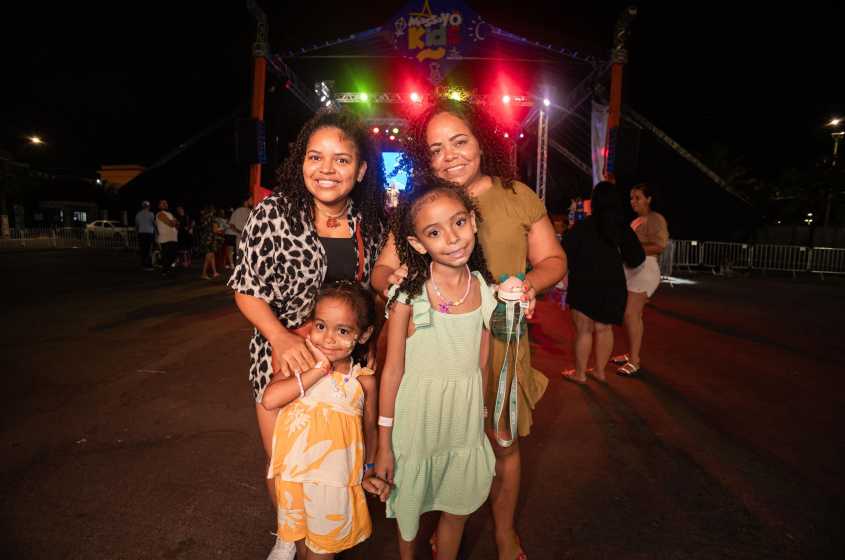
(496, 160)
(360, 300)
(368, 195)
(402, 221)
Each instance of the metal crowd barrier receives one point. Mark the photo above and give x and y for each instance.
(686, 253)
(827, 260)
(714, 252)
(64, 238)
(780, 257)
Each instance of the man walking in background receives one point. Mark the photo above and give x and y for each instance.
(237, 223)
(145, 224)
(168, 233)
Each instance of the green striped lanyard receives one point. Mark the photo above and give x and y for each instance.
(503, 375)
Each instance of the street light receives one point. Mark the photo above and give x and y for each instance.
(32, 140)
(837, 136)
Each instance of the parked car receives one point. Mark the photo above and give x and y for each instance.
(107, 229)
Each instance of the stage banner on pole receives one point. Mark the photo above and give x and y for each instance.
(435, 35)
(598, 140)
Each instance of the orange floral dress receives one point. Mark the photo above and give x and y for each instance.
(318, 463)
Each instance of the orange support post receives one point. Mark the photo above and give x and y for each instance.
(259, 73)
(615, 110)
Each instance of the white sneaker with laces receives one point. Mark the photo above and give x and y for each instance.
(283, 550)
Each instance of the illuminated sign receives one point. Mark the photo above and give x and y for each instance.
(435, 35)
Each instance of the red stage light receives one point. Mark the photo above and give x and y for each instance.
(506, 99)
(415, 97)
(375, 130)
(392, 137)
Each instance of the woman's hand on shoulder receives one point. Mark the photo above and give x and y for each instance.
(291, 353)
(397, 277)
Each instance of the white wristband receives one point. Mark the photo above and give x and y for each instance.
(299, 380)
(386, 422)
(327, 369)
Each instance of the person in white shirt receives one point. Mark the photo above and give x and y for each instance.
(168, 232)
(236, 226)
(145, 224)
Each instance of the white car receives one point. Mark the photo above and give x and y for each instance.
(107, 229)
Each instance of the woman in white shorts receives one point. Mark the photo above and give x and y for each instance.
(643, 280)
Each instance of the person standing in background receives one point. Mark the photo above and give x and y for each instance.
(186, 230)
(145, 224)
(236, 225)
(168, 233)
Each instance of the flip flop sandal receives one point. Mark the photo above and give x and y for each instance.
(567, 375)
(592, 376)
(623, 359)
(628, 370)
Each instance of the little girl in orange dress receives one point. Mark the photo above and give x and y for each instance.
(325, 438)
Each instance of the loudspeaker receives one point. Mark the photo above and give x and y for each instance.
(249, 141)
(623, 148)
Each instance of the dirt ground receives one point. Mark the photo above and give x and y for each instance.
(128, 432)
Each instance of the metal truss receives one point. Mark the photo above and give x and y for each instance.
(363, 35)
(581, 93)
(575, 160)
(296, 86)
(643, 122)
(260, 47)
(542, 151)
(351, 97)
(564, 51)
(386, 122)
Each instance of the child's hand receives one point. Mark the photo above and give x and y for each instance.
(385, 465)
(318, 355)
(376, 486)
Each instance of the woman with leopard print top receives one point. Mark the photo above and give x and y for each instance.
(323, 223)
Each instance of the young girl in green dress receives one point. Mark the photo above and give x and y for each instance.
(432, 446)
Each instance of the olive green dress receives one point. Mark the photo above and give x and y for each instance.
(503, 233)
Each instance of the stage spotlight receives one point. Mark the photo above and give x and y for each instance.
(521, 135)
(375, 130)
(456, 96)
(415, 97)
(395, 130)
(546, 102)
(392, 137)
(506, 99)
(364, 97)
(507, 135)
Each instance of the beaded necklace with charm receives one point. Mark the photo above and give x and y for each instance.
(446, 304)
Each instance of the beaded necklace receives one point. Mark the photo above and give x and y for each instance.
(445, 305)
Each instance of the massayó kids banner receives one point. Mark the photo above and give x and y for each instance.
(435, 35)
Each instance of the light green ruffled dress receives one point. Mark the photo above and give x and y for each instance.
(444, 461)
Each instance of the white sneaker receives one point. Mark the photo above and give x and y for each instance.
(283, 550)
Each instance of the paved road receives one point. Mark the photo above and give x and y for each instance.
(128, 430)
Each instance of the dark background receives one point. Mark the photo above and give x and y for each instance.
(107, 84)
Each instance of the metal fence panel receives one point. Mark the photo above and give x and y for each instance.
(686, 253)
(738, 253)
(827, 260)
(780, 257)
(32, 239)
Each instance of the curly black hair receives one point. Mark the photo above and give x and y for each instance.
(496, 160)
(368, 195)
(360, 300)
(425, 191)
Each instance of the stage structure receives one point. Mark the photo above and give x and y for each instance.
(539, 89)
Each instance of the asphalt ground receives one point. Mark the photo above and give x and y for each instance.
(127, 424)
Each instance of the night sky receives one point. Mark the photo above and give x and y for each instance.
(126, 82)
